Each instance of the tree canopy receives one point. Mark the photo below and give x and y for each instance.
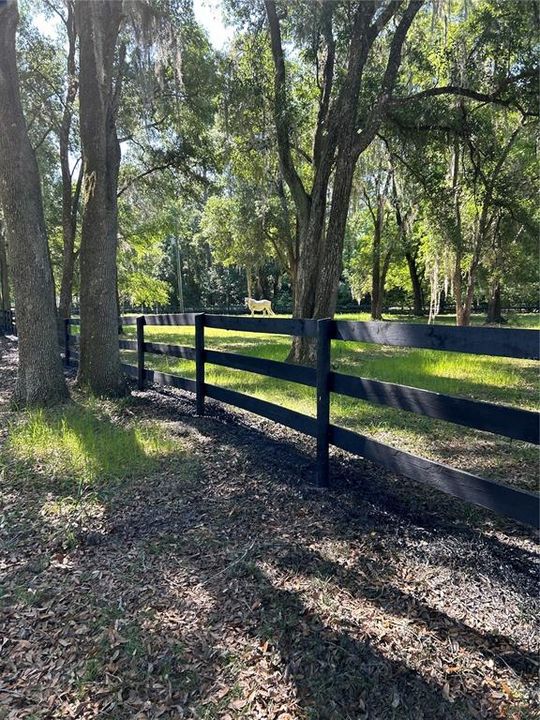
(329, 154)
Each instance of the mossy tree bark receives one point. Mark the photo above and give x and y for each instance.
(40, 377)
(100, 75)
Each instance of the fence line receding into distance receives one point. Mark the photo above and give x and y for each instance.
(510, 422)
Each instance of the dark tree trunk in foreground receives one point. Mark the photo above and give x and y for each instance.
(98, 25)
(5, 300)
(40, 378)
(70, 197)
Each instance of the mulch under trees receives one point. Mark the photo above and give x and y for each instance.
(223, 585)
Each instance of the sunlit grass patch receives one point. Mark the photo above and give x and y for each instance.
(85, 443)
(499, 380)
(495, 379)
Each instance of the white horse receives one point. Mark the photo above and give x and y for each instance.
(264, 306)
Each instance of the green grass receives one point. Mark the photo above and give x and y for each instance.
(79, 457)
(499, 380)
(85, 442)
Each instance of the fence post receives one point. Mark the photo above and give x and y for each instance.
(66, 342)
(140, 352)
(323, 400)
(199, 361)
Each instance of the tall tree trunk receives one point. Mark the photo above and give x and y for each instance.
(70, 198)
(469, 295)
(5, 299)
(418, 294)
(276, 283)
(98, 26)
(461, 310)
(66, 283)
(464, 301)
(249, 282)
(458, 292)
(376, 300)
(494, 309)
(262, 284)
(40, 378)
(377, 289)
(379, 270)
(336, 136)
(463, 316)
(330, 266)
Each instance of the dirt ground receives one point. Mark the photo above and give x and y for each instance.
(225, 585)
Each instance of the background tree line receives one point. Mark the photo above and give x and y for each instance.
(368, 151)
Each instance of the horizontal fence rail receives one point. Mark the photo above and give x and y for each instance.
(275, 326)
(181, 351)
(271, 368)
(518, 504)
(290, 418)
(499, 419)
(502, 420)
(470, 340)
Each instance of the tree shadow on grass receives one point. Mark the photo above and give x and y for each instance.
(333, 668)
(369, 496)
(335, 672)
(75, 458)
(189, 570)
(330, 662)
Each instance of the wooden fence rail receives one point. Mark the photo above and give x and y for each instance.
(511, 422)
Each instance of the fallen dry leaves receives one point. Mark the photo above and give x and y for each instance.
(224, 586)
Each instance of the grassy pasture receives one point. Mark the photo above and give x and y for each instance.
(499, 380)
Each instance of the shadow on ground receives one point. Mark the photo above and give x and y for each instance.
(222, 585)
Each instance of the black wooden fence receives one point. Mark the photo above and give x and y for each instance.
(502, 420)
(7, 322)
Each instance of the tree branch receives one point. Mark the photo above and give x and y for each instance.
(389, 79)
(42, 139)
(382, 20)
(148, 171)
(281, 114)
(76, 198)
(493, 97)
(328, 80)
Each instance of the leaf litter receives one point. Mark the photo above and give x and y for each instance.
(221, 584)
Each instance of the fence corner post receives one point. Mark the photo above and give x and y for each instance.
(141, 322)
(199, 361)
(324, 340)
(66, 342)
